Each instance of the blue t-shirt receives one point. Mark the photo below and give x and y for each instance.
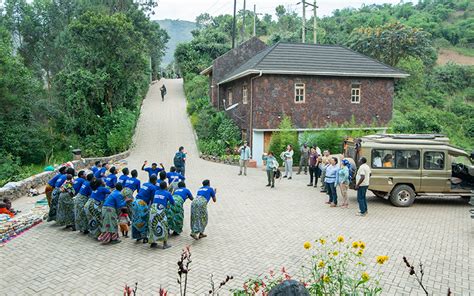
(86, 189)
(100, 193)
(132, 183)
(60, 181)
(122, 179)
(153, 171)
(78, 184)
(207, 192)
(146, 192)
(174, 177)
(54, 179)
(111, 180)
(162, 197)
(94, 169)
(115, 200)
(184, 193)
(100, 173)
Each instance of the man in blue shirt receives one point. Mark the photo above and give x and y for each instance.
(153, 170)
(174, 178)
(133, 183)
(158, 225)
(96, 167)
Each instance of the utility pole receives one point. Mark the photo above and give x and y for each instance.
(255, 14)
(315, 24)
(243, 22)
(233, 25)
(303, 31)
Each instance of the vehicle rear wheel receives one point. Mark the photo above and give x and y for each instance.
(379, 193)
(402, 196)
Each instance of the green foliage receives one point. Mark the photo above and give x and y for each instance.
(284, 137)
(196, 86)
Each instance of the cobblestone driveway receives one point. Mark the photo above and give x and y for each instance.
(252, 229)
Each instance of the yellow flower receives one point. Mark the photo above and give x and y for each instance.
(326, 279)
(365, 276)
(321, 264)
(361, 245)
(307, 245)
(322, 241)
(355, 245)
(360, 252)
(335, 253)
(340, 239)
(381, 259)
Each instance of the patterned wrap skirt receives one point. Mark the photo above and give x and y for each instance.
(93, 210)
(158, 224)
(48, 190)
(141, 214)
(127, 193)
(199, 215)
(175, 214)
(65, 212)
(79, 212)
(53, 207)
(109, 227)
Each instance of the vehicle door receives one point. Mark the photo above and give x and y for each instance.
(435, 175)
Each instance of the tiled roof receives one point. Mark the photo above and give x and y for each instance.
(311, 59)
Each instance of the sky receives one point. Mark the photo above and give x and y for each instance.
(189, 9)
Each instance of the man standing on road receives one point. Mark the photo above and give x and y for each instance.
(362, 184)
(163, 92)
(180, 161)
(244, 158)
(304, 159)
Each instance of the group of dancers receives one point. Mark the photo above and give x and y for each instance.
(99, 203)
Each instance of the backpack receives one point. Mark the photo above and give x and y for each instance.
(178, 159)
(351, 172)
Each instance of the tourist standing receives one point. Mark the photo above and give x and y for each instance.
(109, 226)
(330, 180)
(323, 165)
(141, 209)
(153, 170)
(343, 180)
(163, 92)
(79, 202)
(313, 162)
(271, 166)
(199, 216)
(245, 156)
(179, 161)
(175, 213)
(93, 207)
(158, 223)
(304, 159)
(362, 184)
(287, 157)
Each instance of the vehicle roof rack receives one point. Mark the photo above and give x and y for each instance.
(414, 136)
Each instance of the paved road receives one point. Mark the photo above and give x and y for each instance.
(252, 229)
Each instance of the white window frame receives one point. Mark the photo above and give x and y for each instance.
(230, 97)
(355, 93)
(245, 94)
(300, 87)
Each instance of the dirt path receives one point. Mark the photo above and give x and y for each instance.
(448, 55)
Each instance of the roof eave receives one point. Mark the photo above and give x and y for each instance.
(206, 71)
(345, 74)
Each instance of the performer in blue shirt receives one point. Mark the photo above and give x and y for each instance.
(79, 181)
(141, 210)
(175, 213)
(109, 228)
(50, 186)
(133, 183)
(124, 177)
(111, 179)
(199, 215)
(158, 223)
(174, 178)
(153, 170)
(79, 202)
(96, 167)
(55, 194)
(93, 207)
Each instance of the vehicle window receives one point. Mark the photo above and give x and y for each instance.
(462, 160)
(433, 160)
(399, 159)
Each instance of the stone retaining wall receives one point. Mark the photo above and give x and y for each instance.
(22, 187)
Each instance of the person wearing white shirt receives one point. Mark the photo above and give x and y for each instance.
(287, 157)
(362, 184)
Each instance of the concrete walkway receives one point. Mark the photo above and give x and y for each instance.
(252, 229)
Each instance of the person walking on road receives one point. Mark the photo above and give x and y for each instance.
(304, 159)
(271, 168)
(362, 184)
(163, 92)
(179, 161)
(287, 157)
(244, 152)
(313, 162)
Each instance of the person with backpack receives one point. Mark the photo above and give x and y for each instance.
(163, 92)
(343, 180)
(180, 161)
(271, 168)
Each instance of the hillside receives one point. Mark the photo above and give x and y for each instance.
(179, 32)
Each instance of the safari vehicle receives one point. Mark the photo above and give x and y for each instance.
(406, 166)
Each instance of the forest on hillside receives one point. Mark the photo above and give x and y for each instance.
(179, 31)
(434, 99)
(72, 75)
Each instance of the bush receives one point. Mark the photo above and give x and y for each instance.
(284, 137)
(9, 168)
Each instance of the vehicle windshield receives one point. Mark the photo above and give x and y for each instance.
(462, 160)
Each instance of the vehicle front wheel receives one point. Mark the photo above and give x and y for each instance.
(402, 196)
